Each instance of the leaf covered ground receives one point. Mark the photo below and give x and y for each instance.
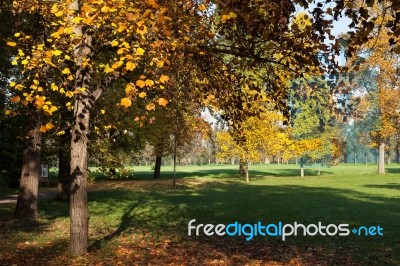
(139, 222)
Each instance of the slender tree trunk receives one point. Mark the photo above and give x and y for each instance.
(27, 202)
(398, 153)
(301, 167)
(381, 160)
(244, 169)
(157, 167)
(366, 158)
(64, 168)
(174, 178)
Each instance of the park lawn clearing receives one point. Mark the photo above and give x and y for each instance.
(145, 221)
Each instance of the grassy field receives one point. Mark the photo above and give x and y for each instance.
(142, 221)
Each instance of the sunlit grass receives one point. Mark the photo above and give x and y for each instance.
(356, 195)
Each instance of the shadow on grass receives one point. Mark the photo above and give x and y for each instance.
(164, 213)
(218, 173)
(387, 186)
(392, 170)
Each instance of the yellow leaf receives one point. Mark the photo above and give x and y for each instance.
(7, 112)
(59, 133)
(49, 125)
(129, 88)
(232, 14)
(108, 69)
(225, 18)
(54, 87)
(160, 64)
(153, 3)
(126, 102)
(59, 14)
(105, 9)
(116, 65)
(142, 30)
(12, 84)
(163, 102)
(139, 51)
(102, 112)
(69, 94)
(76, 20)
(56, 52)
(142, 94)
(149, 82)
(137, 119)
(164, 79)
(121, 50)
(66, 71)
(140, 83)
(202, 7)
(19, 86)
(114, 43)
(53, 108)
(14, 62)
(11, 43)
(43, 129)
(150, 106)
(15, 99)
(39, 102)
(25, 62)
(17, 34)
(130, 65)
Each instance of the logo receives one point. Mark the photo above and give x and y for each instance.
(249, 231)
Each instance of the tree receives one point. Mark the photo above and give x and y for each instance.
(258, 136)
(91, 44)
(376, 57)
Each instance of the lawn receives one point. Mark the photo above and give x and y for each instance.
(140, 221)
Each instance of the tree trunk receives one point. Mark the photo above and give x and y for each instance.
(301, 167)
(157, 168)
(244, 169)
(27, 202)
(345, 157)
(381, 160)
(64, 168)
(398, 153)
(79, 212)
(174, 177)
(366, 158)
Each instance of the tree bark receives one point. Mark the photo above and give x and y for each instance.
(174, 161)
(381, 160)
(79, 212)
(157, 167)
(64, 168)
(244, 169)
(27, 202)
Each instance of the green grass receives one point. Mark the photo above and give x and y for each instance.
(352, 194)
